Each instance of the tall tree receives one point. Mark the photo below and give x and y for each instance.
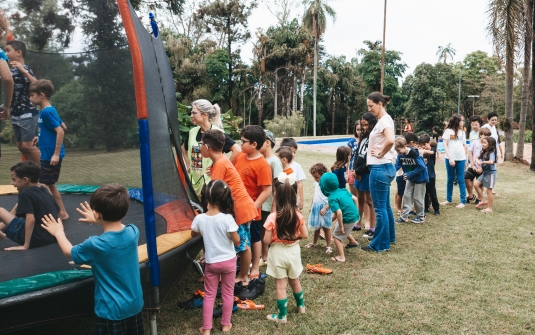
(315, 21)
(527, 37)
(228, 18)
(444, 52)
(505, 27)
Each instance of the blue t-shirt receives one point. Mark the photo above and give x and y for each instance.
(114, 260)
(48, 121)
(431, 159)
(341, 175)
(3, 55)
(490, 168)
(353, 145)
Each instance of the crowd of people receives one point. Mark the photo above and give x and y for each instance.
(252, 198)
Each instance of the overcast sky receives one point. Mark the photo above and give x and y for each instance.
(414, 27)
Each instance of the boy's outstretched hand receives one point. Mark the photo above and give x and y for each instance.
(51, 225)
(87, 212)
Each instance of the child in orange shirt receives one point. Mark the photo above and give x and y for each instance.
(286, 156)
(255, 173)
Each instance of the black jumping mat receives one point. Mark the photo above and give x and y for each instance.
(20, 264)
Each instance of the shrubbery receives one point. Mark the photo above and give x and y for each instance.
(283, 126)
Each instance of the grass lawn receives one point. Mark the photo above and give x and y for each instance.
(463, 272)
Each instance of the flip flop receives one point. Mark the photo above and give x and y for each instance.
(318, 268)
(329, 250)
(334, 259)
(249, 304)
(351, 246)
(486, 210)
(310, 245)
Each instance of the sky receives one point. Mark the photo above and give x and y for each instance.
(414, 27)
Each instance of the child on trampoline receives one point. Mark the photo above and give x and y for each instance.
(284, 229)
(22, 224)
(113, 258)
(220, 234)
(51, 134)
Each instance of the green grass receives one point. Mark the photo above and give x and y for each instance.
(462, 272)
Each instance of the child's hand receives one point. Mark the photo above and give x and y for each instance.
(404, 176)
(17, 65)
(323, 211)
(478, 161)
(54, 160)
(51, 225)
(87, 212)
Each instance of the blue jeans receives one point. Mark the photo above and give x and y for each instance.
(385, 231)
(450, 170)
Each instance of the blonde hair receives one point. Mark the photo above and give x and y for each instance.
(400, 143)
(213, 111)
(4, 26)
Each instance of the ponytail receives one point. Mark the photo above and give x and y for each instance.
(213, 111)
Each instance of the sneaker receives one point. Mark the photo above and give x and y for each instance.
(472, 199)
(437, 212)
(477, 202)
(238, 287)
(218, 311)
(401, 220)
(417, 220)
(254, 289)
(367, 248)
(368, 234)
(357, 228)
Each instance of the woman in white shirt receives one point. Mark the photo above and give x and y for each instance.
(379, 160)
(454, 139)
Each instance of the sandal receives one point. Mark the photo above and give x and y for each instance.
(329, 250)
(336, 259)
(310, 245)
(318, 268)
(249, 304)
(486, 210)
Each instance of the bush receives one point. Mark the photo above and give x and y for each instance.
(7, 135)
(527, 137)
(283, 126)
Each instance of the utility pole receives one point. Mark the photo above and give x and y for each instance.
(383, 53)
(459, 98)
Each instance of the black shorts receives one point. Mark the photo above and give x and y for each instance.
(129, 326)
(256, 228)
(470, 174)
(49, 173)
(401, 185)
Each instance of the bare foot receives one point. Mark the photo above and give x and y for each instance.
(482, 204)
(244, 281)
(226, 329)
(63, 216)
(460, 206)
(204, 331)
(487, 210)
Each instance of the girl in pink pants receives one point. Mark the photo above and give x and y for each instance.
(219, 232)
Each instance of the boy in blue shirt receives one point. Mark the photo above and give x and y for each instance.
(51, 134)
(415, 173)
(113, 257)
(344, 207)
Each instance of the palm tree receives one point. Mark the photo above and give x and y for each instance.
(315, 21)
(444, 52)
(505, 25)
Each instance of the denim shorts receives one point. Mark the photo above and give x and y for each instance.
(363, 184)
(245, 237)
(16, 230)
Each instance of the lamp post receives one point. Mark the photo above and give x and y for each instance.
(473, 102)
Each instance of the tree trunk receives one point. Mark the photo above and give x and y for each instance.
(276, 96)
(315, 79)
(532, 165)
(294, 106)
(333, 112)
(259, 104)
(229, 50)
(302, 93)
(525, 81)
(509, 72)
(348, 117)
(289, 97)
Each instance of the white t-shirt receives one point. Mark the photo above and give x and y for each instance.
(474, 135)
(276, 168)
(218, 246)
(455, 145)
(299, 172)
(493, 131)
(475, 148)
(319, 197)
(377, 140)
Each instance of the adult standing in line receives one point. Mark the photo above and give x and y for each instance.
(454, 139)
(5, 73)
(204, 116)
(408, 127)
(492, 119)
(382, 172)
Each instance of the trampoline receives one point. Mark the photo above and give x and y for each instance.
(166, 203)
